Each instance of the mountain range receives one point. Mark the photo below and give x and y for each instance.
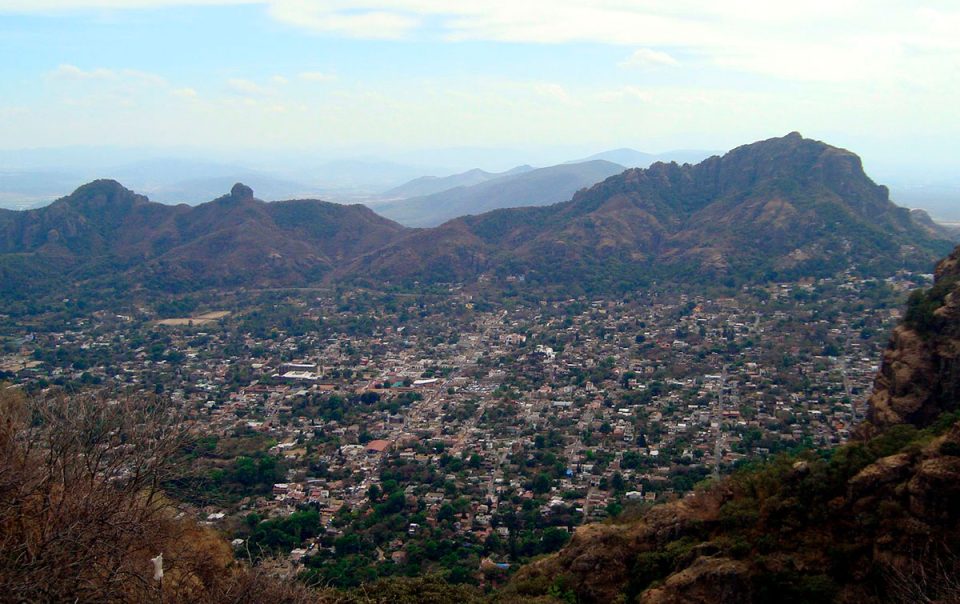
(782, 207)
(516, 188)
(631, 158)
(429, 201)
(34, 177)
(105, 233)
(428, 185)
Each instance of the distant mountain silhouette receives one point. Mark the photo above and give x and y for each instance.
(428, 185)
(631, 158)
(538, 187)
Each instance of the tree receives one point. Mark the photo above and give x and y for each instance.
(80, 498)
(369, 398)
(446, 512)
(616, 481)
(614, 508)
(553, 539)
(493, 543)
(82, 512)
(542, 483)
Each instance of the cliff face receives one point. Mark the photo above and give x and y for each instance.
(877, 520)
(920, 375)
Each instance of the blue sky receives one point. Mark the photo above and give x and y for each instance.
(880, 77)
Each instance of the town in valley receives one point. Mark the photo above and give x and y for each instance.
(342, 434)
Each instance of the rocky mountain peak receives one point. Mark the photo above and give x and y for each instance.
(100, 202)
(104, 192)
(241, 191)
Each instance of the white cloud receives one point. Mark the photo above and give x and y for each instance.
(821, 40)
(647, 57)
(248, 87)
(642, 22)
(846, 65)
(67, 71)
(552, 91)
(846, 62)
(60, 6)
(634, 93)
(130, 76)
(376, 20)
(110, 90)
(316, 76)
(185, 93)
(825, 40)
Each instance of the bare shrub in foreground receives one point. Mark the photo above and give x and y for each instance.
(82, 511)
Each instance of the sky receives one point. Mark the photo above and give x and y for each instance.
(879, 77)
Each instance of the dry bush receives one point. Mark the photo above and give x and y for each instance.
(82, 513)
(927, 575)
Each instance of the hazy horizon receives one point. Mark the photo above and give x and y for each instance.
(282, 85)
(34, 177)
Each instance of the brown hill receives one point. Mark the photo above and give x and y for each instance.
(782, 206)
(877, 520)
(104, 231)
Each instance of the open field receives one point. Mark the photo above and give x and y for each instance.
(203, 319)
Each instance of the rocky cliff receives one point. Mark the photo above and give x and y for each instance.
(920, 376)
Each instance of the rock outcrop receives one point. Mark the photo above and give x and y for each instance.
(920, 375)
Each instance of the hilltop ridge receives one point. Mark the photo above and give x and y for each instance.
(105, 231)
(772, 209)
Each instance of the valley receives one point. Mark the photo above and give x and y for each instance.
(468, 432)
(420, 302)
(367, 401)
